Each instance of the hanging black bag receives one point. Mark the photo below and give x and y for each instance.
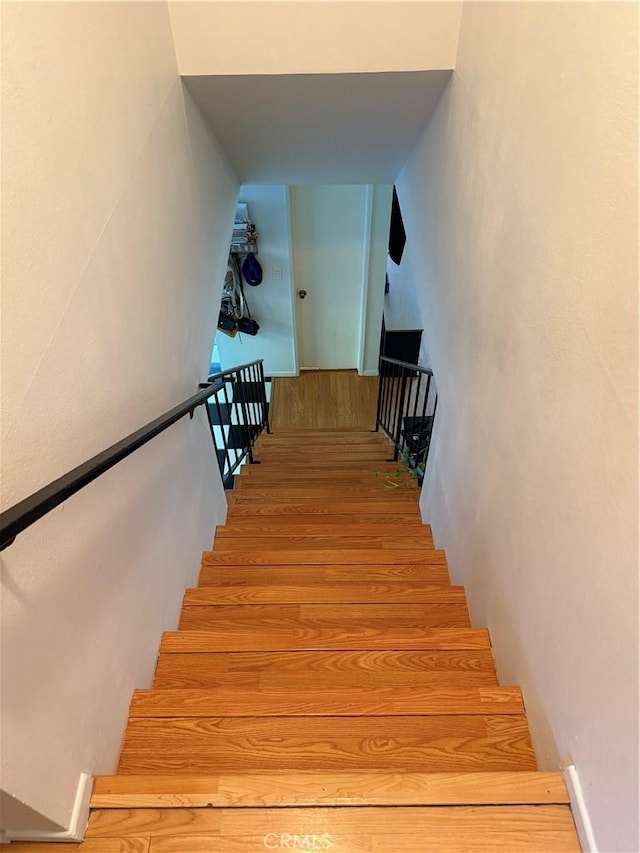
(246, 323)
(248, 326)
(227, 324)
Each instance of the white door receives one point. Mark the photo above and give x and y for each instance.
(331, 234)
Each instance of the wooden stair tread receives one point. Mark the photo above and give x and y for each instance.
(331, 574)
(347, 460)
(130, 844)
(449, 829)
(323, 489)
(489, 829)
(322, 471)
(320, 430)
(407, 502)
(308, 788)
(408, 508)
(327, 456)
(328, 638)
(304, 450)
(365, 478)
(328, 525)
(320, 542)
(372, 439)
(321, 701)
(367, 484)
(372, 820)
(427, 743)
(273, 592)
(332, 669)
(326, 556)
(321, 465)
(269, 471)
(276, 440)
(259, 616)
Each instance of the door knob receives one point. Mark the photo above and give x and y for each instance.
(302, 294)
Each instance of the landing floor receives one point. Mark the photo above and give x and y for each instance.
(324, 399)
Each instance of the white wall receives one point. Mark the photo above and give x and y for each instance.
(521, 210)
(269, 302)
(302, 37)
(117, 212)
(402, 308)
(402, 304)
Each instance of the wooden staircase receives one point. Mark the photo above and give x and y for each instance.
(325, 689)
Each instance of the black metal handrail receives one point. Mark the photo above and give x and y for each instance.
(406, 409)
(23, 514)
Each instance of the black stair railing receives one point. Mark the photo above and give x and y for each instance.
(238, 413)
(249, 412)
(406, 409)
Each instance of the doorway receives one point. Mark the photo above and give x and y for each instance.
(331, 227)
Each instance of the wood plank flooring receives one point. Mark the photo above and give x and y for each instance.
(332, 669)
(325, 689)
(308, 788)
(416, 829)
(325, 399)
(371, 701)
(333, 576)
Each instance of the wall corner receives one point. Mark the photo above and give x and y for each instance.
(77, 824)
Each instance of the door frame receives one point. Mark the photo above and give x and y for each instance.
(288, 203)
(364, 283)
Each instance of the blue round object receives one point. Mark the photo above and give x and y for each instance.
(252, 271)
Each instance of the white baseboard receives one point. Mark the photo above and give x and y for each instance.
(579, 810)
(368, 372)
(277, 373)
(77, 824)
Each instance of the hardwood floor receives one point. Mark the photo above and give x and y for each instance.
(325, 689)
(306, 788)
(324, 399)
(412, 829)
(335, 670)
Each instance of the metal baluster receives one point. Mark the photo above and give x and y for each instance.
(251, 406)
(237, 404)
(229, 409)
(413, 448)
(213, 434)
(394, 409)
(248, 436)
(258, 397)
(423, 420)
(383, 380)
(415, 402)
(379, 400)
(224, 441)
(433, 423)
(389, 406)
(400, 412)
(390, 385)
(265, 420)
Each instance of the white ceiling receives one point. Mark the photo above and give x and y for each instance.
(319, 128)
